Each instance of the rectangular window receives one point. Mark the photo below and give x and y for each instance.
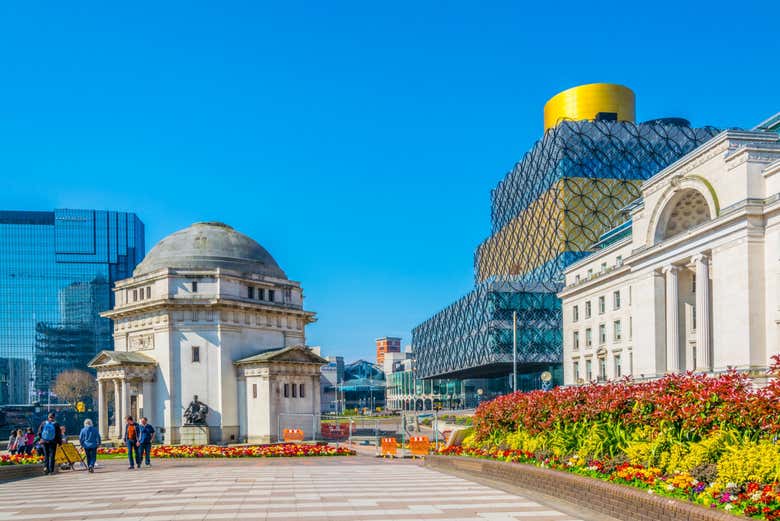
(576, 340)
(148, 292)
(135, 295)
(294, 391)
(588, 370)
(617, 330)
(602, 305)
(302, 390)
(587, 309)
(693, 284)
(194, 286)
(602, 333)
(616, 299)
(141, 294)
(577, 279)
(254, 390)
(603, 267)
(286, 390)
(618, 367)
(250, 292)
(602, 369)
(575, 313)
(195, 354)
(590, 272)
(619, 260)
(260, 293)
(588, 338)
(271, 295)
(575, 369)
(630, 363)
(693, 318)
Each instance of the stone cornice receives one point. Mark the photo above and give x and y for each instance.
(216, 304)
(726, 141)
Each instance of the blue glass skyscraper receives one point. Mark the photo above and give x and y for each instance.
(56, 274)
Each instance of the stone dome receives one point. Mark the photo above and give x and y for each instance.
(210, 245)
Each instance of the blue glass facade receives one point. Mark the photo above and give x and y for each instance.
(56, 274)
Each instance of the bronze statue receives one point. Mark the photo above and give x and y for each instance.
(196, 412)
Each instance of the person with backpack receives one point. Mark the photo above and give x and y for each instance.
(131, 442)
(145, 439)
(49, 433)
(89, 439)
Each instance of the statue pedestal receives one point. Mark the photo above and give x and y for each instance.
(194, 435)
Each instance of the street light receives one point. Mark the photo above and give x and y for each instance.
(514, 351)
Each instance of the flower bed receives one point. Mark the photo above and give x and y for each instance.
(711, 440)
(282, 450)
(19, 459)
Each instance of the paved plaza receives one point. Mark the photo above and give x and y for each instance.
(349, 488)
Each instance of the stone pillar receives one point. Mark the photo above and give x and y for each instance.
(125, 400)
(147, 401)
(703, 341)
(117, 410)
(102, 410)
(672, 320)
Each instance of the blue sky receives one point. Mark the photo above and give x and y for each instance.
(357, 141)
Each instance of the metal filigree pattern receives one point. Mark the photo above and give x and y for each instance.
(546, 213)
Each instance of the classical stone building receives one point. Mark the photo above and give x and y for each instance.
(210, 313)
(690, 282)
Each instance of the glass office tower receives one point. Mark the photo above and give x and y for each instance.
(56, 273)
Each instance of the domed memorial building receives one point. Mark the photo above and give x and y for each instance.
(209, 338)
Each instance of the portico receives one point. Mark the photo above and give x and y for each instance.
(130, 376)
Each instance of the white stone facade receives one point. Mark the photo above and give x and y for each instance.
(196, 325)
(695, 284)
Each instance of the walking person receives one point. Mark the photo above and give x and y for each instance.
(51, 437)
(145, 439)
(89, 439)
(131, 442)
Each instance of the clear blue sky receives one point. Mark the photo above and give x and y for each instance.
(357, 141)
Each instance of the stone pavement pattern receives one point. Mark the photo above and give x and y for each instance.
(348, 488)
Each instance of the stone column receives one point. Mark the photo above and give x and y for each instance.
(672, 320)
(117, 410)
(703, 360)
(125, 399)
(102, 410)
(146, 389)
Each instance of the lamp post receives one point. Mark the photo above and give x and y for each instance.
(514, 351)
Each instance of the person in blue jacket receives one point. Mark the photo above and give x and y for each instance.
(145, 439)
(89, 439)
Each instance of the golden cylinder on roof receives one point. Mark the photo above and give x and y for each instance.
(589, 102)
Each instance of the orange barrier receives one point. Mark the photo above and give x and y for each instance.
(389, 447)
(290, 435)
(419, 445)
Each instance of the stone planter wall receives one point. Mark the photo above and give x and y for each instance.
(618, 501)
(16, 472)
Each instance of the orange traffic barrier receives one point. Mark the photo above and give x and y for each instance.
(291, 435)
(389, 447)
(419, 445)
